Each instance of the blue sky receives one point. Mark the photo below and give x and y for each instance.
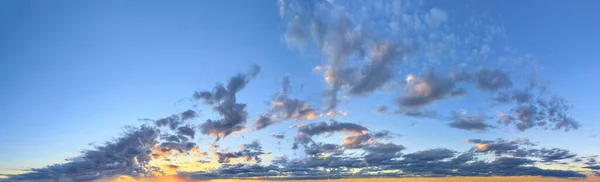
(76, 72)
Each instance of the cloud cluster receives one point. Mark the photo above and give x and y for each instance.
(548, 112)
(521, 148)
(429, 87)
(340, 40)
(387, 162)
(285, 108)
(464, 122)
(129, 154)
(223, 101)
(248, 152)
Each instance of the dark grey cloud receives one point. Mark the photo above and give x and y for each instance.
(499, 147)
(223, 101)
(470, 123)
(381, 109)
(429, 163)
(591, 161)
(336, 37)
(330, 127)
(360, 60)
(553, 154)
(492, 79)
(545, 112)
(263, 121)
(285, 108)
(379, 152)
(128, 155)
(510, 162)
(426, 88)
(278, 136)
(430, 155)
(418, 113)
(248, 152)
(360, 138)
(521, 148)
(592, 167)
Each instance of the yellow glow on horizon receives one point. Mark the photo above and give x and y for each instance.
(447, 179)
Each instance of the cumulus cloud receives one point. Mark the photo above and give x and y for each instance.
(381, 109)
(278, 136)
(223, 101)
(500, 146)
(470, 123)
(435, 17)
(439, 162)
(339, 39)
(492, 79)
(285, 108)
(546, 112)
(128, 155)
(426, 88)
(249, 152)
(360, 138)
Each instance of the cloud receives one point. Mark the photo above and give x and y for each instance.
(360, 138)
(263, 121)
(223, 101)
(285, 108)
(339, 39)
(546, 112)
(510, 162)
(381, 109)
(330, 127)
(426, 88)
(278, 136)
(435, 17)
(418, 113)
(248, 152)
(128, 155)
(430, 155)
(492, 79)
(499, 146)
(592, 167)
(379, 152)
(470, 123)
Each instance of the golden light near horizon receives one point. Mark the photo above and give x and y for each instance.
(448, 179)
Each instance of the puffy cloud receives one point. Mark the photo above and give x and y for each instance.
(360, 138)
(548, 112)
(381, 109)
(435, 17)
(426, 88)
(510, 162)
(492, 79)
(278, 136)
(263, 121)
(378, 157)
(430, 155)
(380, 152)
(330, 127)
(285, 108)
(419, 113)
(475, 123)
(499, 146)
(248, 152)
(592, 167)
(223, 101)
(339, 39)
(128, 155)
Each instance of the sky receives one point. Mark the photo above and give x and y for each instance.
(372, 88)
